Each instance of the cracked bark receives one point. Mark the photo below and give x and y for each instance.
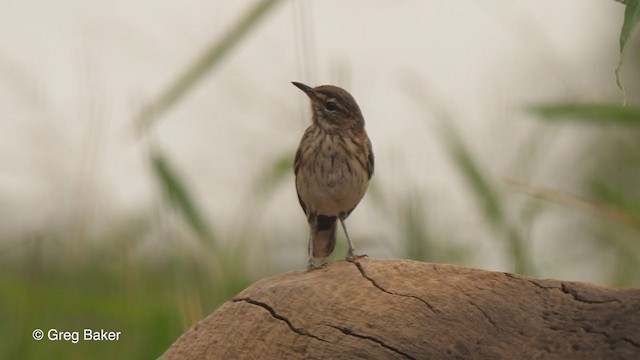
(279, 317)
(401, 309)
(374, 283)
(349, 332)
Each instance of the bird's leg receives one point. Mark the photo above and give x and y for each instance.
(312, 230)
(351, 255)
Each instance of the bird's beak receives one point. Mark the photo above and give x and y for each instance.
(307, 89)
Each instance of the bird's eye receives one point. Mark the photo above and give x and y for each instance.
(331, 106)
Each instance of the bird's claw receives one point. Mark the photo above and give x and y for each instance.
(352, 256)
(316, 264)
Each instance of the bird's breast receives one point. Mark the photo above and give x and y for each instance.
(334, 180)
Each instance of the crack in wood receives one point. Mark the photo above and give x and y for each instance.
(535, 283)
(565, 289)
(610, 339)
(632, 342)
(275, 315)
(350, 332)
(574, 293)
(374, 283)
(484, 313)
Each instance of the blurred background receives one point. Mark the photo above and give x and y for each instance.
(147, 149)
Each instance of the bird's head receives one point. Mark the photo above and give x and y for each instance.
(333, 107)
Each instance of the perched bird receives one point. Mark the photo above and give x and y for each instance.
(333, 165)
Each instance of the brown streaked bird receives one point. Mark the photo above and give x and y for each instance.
(333, 165)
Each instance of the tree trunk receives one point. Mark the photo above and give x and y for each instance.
(402, 309)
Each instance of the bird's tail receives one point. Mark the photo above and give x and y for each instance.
(324, 239)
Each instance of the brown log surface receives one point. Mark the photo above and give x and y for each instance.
(403, 309)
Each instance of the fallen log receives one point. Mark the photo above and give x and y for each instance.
(403, 309)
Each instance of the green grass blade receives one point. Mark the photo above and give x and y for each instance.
(489, 200)
(275, 173)
(203, 64)
(418, 240)
(595, 113)
(625, 202)
(631, 18)
(482, 187)
(178, 195)
(479, 184)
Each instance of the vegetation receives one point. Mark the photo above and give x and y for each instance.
(107, 282)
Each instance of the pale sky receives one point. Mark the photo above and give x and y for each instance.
(73, 74)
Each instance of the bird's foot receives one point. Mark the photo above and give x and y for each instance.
(352, 256)
(316, 263)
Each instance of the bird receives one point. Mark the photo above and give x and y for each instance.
(333, 165)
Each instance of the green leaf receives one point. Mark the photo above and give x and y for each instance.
(202, 65)
(178, 195)
(598, 113)
(631, 18)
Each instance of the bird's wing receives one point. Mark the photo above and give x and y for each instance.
(370, 159)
